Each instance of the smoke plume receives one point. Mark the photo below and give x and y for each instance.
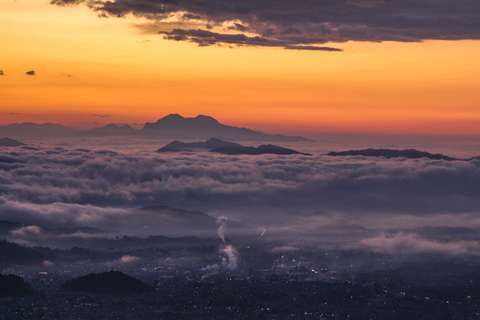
(230, 262)
(222, 221)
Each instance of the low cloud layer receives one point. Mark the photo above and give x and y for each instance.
(40, 220)
(408, 243)
(301, 25)
(248, 184)
(289, 202)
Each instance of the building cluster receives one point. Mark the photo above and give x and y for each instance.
(261, 295)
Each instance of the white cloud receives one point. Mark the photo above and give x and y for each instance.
(407, 243)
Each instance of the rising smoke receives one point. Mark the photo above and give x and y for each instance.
(230, 259)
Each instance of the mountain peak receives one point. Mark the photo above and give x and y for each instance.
(204, 127)
(203, 118)
(116, 126)
(111, 125)
(111, 129)
(170, 117)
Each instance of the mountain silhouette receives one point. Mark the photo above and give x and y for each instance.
(12, 253)
(225, 147)
(262, 149)
(179, 146)
(7, 142)
(172, 126)
(392, 153)
(109, 130)
(30, 129)
(13, 286)
(113, 282)
(204, 127)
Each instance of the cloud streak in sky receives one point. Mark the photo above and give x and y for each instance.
(291, 24)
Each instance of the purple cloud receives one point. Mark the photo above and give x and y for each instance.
(299, 24)
(408, 243)
(213, 182)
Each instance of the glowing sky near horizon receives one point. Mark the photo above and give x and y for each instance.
(91, 71)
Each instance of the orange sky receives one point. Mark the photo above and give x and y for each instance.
(92, 71)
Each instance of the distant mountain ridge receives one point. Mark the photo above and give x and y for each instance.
(171, 126)
(30, 129)
(7, 142)
(111, 129)
(261, 149)
(179, 146)
(226, 147)
(393, 153)
(205, 127)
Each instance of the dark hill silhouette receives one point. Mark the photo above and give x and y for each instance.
(392, 153)
(112, 282)
(7, 142)
(12, 253)
(225, 147)
(262, 149)
(204, 127)
(109, 130)
(13, 286)
(179, 146)
(30, 129)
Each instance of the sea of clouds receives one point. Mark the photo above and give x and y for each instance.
(297, 198)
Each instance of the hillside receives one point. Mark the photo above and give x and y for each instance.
(112, 282)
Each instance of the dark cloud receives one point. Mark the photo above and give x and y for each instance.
(312, 48)
(207, 38)
(66, 2)
(303, 23)
(30, 73)
(101, 115)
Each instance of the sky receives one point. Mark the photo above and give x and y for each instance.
(279, 66)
